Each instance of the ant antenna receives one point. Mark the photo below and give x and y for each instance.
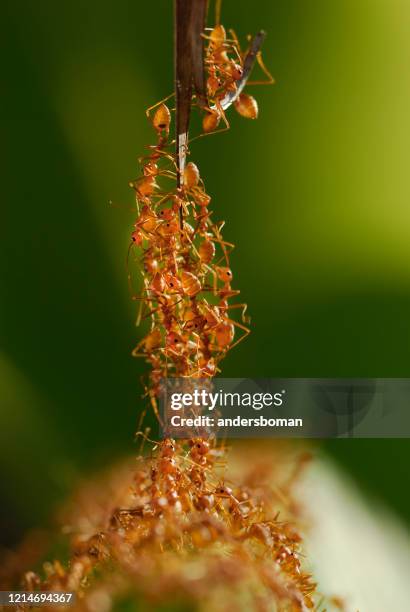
(127, 266)
(144, 436)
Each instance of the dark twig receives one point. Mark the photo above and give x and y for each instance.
(183, 79)
(190, 18)
(199, 12)
(248, 64)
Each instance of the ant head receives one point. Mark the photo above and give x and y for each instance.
(145, 211)
(236, 71)
(192, 324)
(166, 213)
(172, 281)
(202, 447)
(223, 491)
(224, 274)
(173, 339)
(168, 227)
(150, 169)
(168, 447)
(136, 237)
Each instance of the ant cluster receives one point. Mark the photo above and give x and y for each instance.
(186, 285)
(187, 277)
(224, 61)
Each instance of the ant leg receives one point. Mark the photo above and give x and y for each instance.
(139, 313)
(195, 250)
(229, 294)
(139, 432)
(222, 113)
(215, 277)
(244, 307)
(147, 112)
(246, 331)
(127, 266)
(218, 237)
(209, 289)
(137, 350)
(143, 300)
(152, 312)
(197, 356)
(165, 173)
(226, 45)
(112, 204)
(225, 129)
(223, 243)
(320, 604)
(224, 258)
(160, 153)
(215, 288)
(236, 46)
(155, 407)
(270, 80)
(164, 199)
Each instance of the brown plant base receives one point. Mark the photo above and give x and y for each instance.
(178, 530)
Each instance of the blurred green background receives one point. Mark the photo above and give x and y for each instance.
(315, 194)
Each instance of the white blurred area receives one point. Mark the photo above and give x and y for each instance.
(360, 550)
